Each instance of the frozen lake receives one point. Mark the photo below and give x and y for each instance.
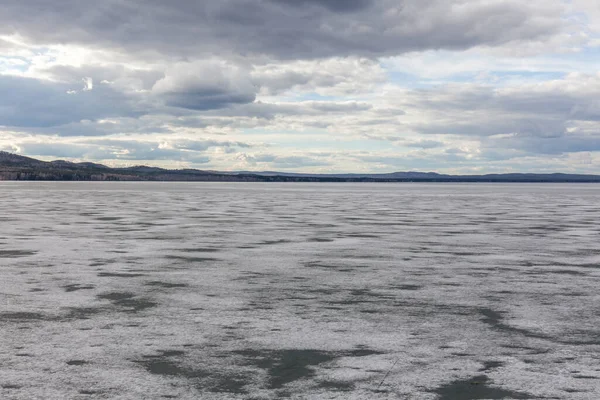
(301, 291)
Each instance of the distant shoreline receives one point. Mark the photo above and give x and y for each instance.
(14, 167)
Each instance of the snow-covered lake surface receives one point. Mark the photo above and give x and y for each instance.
(301, 291)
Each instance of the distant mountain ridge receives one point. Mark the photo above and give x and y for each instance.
(17, 167)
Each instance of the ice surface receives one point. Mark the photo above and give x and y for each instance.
(304, 291)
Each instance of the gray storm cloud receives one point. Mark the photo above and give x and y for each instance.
(283, 28)
(205, 86)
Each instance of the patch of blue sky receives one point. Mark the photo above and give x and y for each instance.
(321, 139)
(491, 77)
(8, 63)
(588, 54)
(529, 75)
(315, 97)
(408, 80)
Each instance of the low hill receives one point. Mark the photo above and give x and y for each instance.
(16, 167)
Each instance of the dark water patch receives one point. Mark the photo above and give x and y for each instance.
(370, 293)
(172, 353)
(352, 301)
(77, 363)
(82, 312)
(406, 287)
(317, 225)
(191, 259)
(558, 272)
(199, 250)
(128, 301)
(273, 242)
(339, 268)
(495, 320)
(260, 306)
(286, 366)
(166, 364)
(338, 386)
(75, 287)
(476, 388)
(100, 263)
(361, 352)
(87, 392)
(320, 240)
(116, 296)
(230, 383)
(88, 214)
(128, 230)
(491, 365)
(567, 272)
(164, 367)
(360, 235)
(532, 351)
(16, 253)
(166, 285)
(119, 275)
(299, 278)
(585, 377)
(36, 290)
(323, 291)
(24, 316)
(569, 390)
(586, 265)
(108, 219)
(10, 386)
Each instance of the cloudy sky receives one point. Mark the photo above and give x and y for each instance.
(458, 86)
